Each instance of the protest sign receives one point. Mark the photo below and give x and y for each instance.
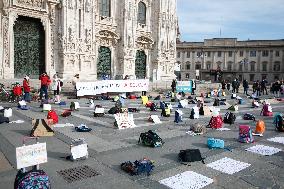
(106, 86)
(31, 155)
(184, 86)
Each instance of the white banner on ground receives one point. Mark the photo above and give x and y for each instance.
(79, 151)
(105, 86)
(31, 155)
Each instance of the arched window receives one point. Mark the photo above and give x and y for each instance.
(105, 8)
(141, 13)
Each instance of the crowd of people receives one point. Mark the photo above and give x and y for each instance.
(258, 87)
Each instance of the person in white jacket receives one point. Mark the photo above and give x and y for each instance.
(56, 86)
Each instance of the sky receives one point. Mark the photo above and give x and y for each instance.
(242, 19)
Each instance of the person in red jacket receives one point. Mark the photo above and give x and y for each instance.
(44, 83)
(27, 89)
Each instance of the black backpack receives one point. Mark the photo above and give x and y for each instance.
(150, 138)
(4, 119)
(192, 114)
(216, 102)
(113, 110)
(248, 116)
(229, 118)
(190, 155)
(279, 123)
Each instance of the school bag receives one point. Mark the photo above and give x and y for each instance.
(74, 106)
(255, 104)
(241, 101)
(233, 96)
(133, 110)
(260, 127)
(248, 116)
(116, 98)
(138, 167)
(245, 134)
(151, 139)
(52, 115)
(82, 128)
(32, 179)
(213, 143)
(148, 104)
(166, 112)
(190, 155)
(279, 123)
(233, 108)
(4, 119)
(215, 122)
(113, 110)
(229, 118)
(66, 113)
(178, 116)
(153, 107)
(198, 129)
(99, 111)
(266, 110)
(216, 102)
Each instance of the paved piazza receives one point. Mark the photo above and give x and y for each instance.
(109, 147)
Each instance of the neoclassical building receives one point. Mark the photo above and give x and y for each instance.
(251, 59)
(90, 37)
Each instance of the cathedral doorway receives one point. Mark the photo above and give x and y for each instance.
(140, 65)
(29, 47)
(104, 63)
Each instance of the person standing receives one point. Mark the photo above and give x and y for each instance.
(237, 85)
(27, 89)
(44, 83)
(263, 86)
(234, 85)
(228, 86)
(56, 87)
(277, 88)
(173, 86)
(246, 86)
(74, 81)
(257, 87)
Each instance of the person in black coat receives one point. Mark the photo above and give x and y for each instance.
(246, 86)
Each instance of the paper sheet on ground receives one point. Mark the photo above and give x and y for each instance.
(187, 180)
(263, 150)
(277, 139)
(228, 165)
(64, 125)
(223, 129)
(17, 121)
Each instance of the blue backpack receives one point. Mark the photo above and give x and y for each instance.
(31, 179)
(215, 143)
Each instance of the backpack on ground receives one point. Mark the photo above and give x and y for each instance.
(241, 101)
(113, 110)
(8, 112)
(4, 119)
(150, 138)
(178, 116)
(99, 111)
(266, 110)
(166, 112)
(248, 116)
(233, 108)
(229, 118)
(133, 110)
(74, 106)
(260, 127)
(153, 107)
(198, 129)
(66, 113)
(190, 155)
(233, 96)
(116, 98)
(81, 146)
(245, 134)
(213, 143)
(138, 167)
(31, 179)
(215, 122)
(279, 123)
(52, 115)
(216, 102)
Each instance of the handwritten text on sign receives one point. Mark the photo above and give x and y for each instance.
(31, 155)
(105, 86)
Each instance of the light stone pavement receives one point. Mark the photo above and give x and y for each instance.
(109, 147)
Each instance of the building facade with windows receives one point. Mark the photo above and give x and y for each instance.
(252, 60)
(93, 38)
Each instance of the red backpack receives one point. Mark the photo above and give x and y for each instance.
(17, 91)
(52, 115)
(216, 122)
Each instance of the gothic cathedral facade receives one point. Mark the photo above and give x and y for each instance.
(93, 38)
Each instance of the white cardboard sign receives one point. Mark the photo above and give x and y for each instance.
(31, 155)
(156, 119)
(99, 110)
(79, 151)
(124, 120)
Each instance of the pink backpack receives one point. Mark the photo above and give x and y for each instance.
(216, 122)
